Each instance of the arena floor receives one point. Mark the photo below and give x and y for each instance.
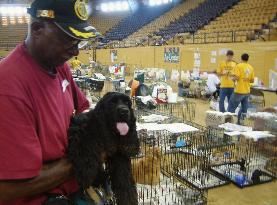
(265, 194)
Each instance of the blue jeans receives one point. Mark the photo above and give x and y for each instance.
(224, 92)
(234, 102)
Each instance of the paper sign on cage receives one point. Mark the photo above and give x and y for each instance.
(162, 95)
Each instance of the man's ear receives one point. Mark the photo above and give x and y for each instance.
(37, 28)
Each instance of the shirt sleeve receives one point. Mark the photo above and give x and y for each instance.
(237, 71)
(20, 155)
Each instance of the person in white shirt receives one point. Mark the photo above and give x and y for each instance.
(213, 83)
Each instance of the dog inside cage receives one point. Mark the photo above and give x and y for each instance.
(255, 162)
(154, 172)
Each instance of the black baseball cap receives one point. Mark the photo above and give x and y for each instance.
(71, 16)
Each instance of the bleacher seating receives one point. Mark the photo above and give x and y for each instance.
(105, 21)
(11, 35)
(197, 18)
(275, 19)
(244, 19)
(165, 19)
(192, 21)
(134, 21)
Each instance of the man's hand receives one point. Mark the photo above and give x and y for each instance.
(51, 176)
(225, 72)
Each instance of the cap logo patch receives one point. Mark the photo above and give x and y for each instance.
(45, 14)
(81, 10)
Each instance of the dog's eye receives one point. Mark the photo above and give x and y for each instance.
(114, 101)
(127, 102)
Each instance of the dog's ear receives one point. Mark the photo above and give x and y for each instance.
(100, 106)
(86, 163)
(85, 159)
(123, 184)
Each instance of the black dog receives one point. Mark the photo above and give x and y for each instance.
(107, 135)
(256, 176)
(242, 164)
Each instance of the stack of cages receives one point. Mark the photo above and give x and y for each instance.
(244, 159)
(154, 172)
(82, 83)
(193, 166)
(93, 89)
(108, 87)
(221, 148)
(173, 168)
(184, 110)
(215, 118)
(263, 121)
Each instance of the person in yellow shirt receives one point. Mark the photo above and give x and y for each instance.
(243, 77)
(134, 84)
(225, 71)
(76, 63)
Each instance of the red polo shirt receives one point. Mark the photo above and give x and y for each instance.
(35, 112)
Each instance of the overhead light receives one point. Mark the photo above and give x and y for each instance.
(125, 5)
(13, 11)
(111, 6)
(152, 2)
(10, 11)
(118, 6)
(3, 11)
(104, 7)
(158, 2)
(19, 11)
(114, 6)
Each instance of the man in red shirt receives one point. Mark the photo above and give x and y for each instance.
(37, 99)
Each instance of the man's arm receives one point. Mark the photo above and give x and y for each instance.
(51, 176)
(236, 74)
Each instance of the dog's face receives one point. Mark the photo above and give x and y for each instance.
(118, 112)
(115, 110)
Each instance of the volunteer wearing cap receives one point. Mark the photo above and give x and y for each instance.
(37, 99)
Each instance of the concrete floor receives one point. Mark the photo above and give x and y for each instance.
(265, 194)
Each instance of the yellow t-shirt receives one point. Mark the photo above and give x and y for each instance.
(226, 68)
(245, 74)
(76, 64)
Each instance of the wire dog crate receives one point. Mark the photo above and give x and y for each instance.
(184, 110)
(173, 167)
(249, 161)
(154, 172)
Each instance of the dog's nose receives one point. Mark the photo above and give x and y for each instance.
(123, 111)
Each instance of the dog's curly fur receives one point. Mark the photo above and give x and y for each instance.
(93, 135)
